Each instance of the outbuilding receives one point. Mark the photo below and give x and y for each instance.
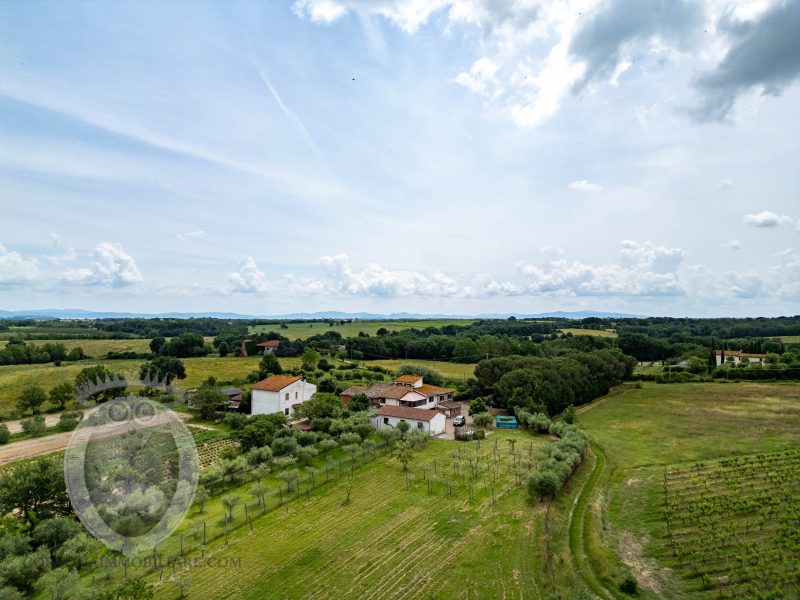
(419, 419)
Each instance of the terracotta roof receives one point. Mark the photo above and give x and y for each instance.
(275, 383)
(405, 412)
(408, 379)
(739, 353)
(396, 392)
(302, 425)
(449, 405)
(269, 344)
(432, 390)
(352, 391)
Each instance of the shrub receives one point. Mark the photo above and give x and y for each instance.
(569, 415)
(349, 438)
(69, 421)
(543, 484)
(479, 434)
(5, 434)
(236, 421)
(478, 406)
(629, 586)
(34, 425)
(284, 446)
(482, 419)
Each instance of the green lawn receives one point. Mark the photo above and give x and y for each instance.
(305, 330)
(448, 369)
(96, 348)
(640, 431)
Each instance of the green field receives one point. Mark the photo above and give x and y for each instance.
(448, 369)
(790, 339)
(594, 332)
(97, 348)
(639, 432)
(305, 330)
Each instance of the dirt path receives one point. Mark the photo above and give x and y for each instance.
(40, 446)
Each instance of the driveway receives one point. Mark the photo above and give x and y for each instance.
(449, 429)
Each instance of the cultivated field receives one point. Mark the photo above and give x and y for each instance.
(305, 330)
(641, 432)
(594, 332)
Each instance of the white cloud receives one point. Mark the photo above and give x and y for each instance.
(112, 266)
(249, 278)
(731, 245)
(551, 250)
(485, 286)
(725, 184)
(480, 76)
(190, 234)
(767, 219)
(585, 186)
(375, 280)
(647, 270)
(15, 269)
(60, 259)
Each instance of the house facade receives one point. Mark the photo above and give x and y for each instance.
(738, 357)
(269, 346)
(430, 421)
(280, 393)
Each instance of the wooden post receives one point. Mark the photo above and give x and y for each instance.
(204, 533)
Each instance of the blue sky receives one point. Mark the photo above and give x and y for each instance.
(458, 156)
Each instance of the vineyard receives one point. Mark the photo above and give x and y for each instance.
(733, 525)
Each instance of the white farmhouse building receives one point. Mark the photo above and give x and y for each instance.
(419, 419)
(280, 393)
(738, 357)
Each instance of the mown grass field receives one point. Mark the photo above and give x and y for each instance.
(594, 332)
(790, 339)
(448, 369)
(641, 432)
(96, 348)
(306, 330)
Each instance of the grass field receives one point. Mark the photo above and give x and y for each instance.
(790, 339)
(397, 537)
(305, 330)
(96, 348)
(448, 369)
(594, 332)
(640, 432)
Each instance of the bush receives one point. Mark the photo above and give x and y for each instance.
(629, 586)
(5, 434)
(569, 415)
(478, 406)
(33, 425)
(284, 446)
(479, 434)
(483, 419)
(69, 421)
(236, 421)
(543, 484)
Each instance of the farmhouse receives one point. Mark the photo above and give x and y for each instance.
(418, 419)
(407, 390)
(269, 346)
(280, 393)
(738, 357)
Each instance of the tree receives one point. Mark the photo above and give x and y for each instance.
(133, 589)
(31, 398)
(404, 453)
(321, 404)
(483, 419)
(52, 533)
(569, 415)
(478, 405)
(60, 395)
(260, 430)
(309, 359)
(229, 502)
(223, 349)
(102, 383)
(269, 365)
(5, 434)
(543, 484)
(207, 400)
(201, 496)
(258, 490)
(77, 550)
(403, 428)
(156, 345)
(36, 489)
(69, 421)
(162, 369)
(22, 571)
(358, 403)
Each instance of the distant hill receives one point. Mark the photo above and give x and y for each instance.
(74, 313)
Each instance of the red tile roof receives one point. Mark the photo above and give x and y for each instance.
(269, 344)
(432, 390)
(405, 412)
(408, 379)
(275, 383)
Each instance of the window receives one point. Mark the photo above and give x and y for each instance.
(286, 411)
(385, 420)
(295, 395)
(287, 395)
(419, 425)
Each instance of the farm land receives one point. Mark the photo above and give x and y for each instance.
(305, 330)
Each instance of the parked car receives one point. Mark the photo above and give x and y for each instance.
(459, 421)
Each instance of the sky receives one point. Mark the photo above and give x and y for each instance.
(433, 156)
